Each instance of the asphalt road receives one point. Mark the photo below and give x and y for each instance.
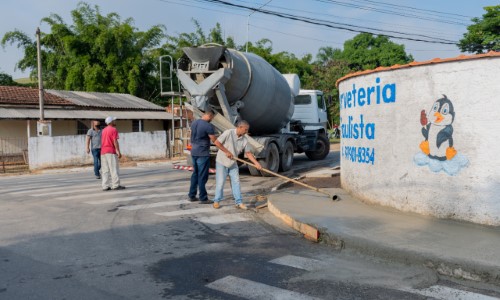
(62, 237)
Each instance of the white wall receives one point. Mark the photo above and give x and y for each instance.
(400, 175)
(61, 151)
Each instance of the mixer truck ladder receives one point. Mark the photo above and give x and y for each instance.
(167, 78)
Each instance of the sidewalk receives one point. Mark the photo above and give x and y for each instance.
(452, 248)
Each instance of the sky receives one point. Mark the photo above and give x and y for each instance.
(395, 17)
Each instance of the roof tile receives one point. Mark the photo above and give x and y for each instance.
(25, 95)
(415, 63)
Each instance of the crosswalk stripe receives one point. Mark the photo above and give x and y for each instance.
(153, 205)
(147, 196)
(224, 219)
(298, 262)
(132, 198)
(445, 293)
(254, 290)
(73, 191)
(191, 211)
(129, 190)
(68, 189)
(20, 189)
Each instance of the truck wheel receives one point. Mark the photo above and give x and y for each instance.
(253, 171)
(322, 148)
(286, 159)
(271, 161)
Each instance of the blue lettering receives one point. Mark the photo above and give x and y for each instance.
(370, 91)
(355, 131)
(370, 131)
(392, 89)
(361, 96)
(378, 90)
(349, 98)
(361, 124)
(354, 94)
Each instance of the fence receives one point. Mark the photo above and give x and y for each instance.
(13, 146)
(13, 152)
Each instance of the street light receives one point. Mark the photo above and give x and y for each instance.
(248, 20)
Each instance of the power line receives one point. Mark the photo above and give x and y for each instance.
(336, 25)
(296, 35)
(415, 9)
(427, 30)
(336, 43)
(392, 12)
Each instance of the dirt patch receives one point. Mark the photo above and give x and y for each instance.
(319, 182)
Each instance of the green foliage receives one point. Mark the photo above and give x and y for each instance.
(97, 52)
(324, 79)
(284, 62)
(366, 51)
(6, 79)
(174, 44)
(484, 34)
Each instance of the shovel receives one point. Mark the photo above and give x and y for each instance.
(333, 197)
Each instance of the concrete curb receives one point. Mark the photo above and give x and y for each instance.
(462, 269)
(309, 232)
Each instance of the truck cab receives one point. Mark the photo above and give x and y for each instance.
(310, 110)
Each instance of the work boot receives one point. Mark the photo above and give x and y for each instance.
(216, 205)
(241, 206)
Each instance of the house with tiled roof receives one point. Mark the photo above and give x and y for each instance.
(70, 113)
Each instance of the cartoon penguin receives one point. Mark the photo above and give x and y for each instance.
(438, 133)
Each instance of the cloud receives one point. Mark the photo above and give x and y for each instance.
(451, 167)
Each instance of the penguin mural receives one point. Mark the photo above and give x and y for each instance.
(437, 151)
(438, 132)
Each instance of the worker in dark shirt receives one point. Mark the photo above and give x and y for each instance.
(202, 132)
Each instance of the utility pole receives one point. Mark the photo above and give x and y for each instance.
(248, 21)
(44, 128)
(40, 82)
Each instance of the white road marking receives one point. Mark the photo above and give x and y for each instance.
(192, 211)
(445, 293)
(129, 190)
(68, 190)
(157, 204)
(132, 198)
(298, 262)
(143, 197)
(95, 187)
(35, 188)
(253, 290)
(224, 219)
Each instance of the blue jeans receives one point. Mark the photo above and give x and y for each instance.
(200, 177)
(96, 153)
(221, 173)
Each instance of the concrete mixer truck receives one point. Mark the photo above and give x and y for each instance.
(283, 119)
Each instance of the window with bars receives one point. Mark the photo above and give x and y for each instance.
(137, 126)
(81, 128)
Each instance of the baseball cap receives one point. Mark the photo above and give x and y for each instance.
(110, 119)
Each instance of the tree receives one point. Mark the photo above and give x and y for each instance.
(284, 62)
(366, 51)
(174, 44)
(97, 52)
(326, 54)
(323, 77)
(6, 79)
(484, 34)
